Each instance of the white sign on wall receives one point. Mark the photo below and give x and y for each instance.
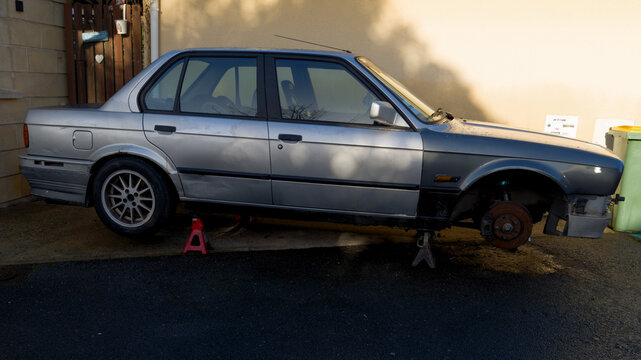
(564, 125)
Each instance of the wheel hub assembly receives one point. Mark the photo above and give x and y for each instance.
(507, 225)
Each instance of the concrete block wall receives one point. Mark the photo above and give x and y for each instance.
(32, 74)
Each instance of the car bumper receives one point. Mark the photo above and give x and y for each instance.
(57, 178)
(585, 215)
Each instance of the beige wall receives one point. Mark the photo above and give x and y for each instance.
(506, 61)
(32, 74)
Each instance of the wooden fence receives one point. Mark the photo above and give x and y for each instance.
(95, 71)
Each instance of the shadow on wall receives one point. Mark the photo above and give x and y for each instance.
(364, 27)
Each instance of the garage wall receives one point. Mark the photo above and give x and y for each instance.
(505, 61)
(32, 74)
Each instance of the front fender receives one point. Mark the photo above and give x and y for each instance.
(544, 168)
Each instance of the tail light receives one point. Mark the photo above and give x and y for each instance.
(25, 135)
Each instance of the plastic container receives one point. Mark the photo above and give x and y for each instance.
(625, 142)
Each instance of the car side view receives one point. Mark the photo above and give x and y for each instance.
(309, 133)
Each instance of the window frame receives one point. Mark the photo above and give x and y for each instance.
(274, 111)
(260, 84)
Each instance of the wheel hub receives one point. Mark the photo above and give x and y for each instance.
(507, 228)
(507, 225)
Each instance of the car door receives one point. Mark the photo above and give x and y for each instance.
(207, 113)
(326, 152)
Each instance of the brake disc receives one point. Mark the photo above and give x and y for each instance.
(507, 225)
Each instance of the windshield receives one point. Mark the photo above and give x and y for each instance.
(413, 103)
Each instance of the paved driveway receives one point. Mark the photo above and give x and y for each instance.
(555, 298)
(356, 302)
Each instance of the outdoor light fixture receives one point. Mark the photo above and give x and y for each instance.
(121, 25)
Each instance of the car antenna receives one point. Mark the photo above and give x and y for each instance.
(313, 43)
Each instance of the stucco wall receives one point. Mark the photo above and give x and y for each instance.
(32, 74)
(503, 61)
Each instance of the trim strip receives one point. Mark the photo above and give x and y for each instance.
(384, 185)
(302, 179)
(441, 190)
(193, 171)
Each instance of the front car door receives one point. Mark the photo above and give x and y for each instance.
(326, 152)
(207, 113)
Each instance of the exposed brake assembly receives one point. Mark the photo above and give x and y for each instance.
(424, 251)
(507, 225)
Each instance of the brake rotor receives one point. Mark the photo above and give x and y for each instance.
(507, 225)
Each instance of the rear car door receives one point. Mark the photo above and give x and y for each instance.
(326, 153)
(207, 113)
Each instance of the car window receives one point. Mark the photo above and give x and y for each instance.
(323, 91)
(417, 107)
(162, 94)
(221, 86)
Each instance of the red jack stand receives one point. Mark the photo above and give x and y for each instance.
(197, 230)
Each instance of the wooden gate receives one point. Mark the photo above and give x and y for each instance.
(96, 70)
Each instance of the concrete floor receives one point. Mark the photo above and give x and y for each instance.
(36, 232)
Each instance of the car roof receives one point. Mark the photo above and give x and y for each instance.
(342, 54)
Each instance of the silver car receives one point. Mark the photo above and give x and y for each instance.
(308, 133)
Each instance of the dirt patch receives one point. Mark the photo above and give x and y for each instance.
(467, 247)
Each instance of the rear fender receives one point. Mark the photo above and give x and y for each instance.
(158, 158)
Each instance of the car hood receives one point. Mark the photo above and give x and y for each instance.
(472, 127)
(479, 138)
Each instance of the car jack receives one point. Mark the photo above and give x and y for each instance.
(197, 232)
(424, 251)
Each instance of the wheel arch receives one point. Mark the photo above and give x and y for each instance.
(543, 183)
(159, 162)
(506, 165)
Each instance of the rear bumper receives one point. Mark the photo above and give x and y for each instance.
(57, 178)
(586, 216)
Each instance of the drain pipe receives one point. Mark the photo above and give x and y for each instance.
(153, 28)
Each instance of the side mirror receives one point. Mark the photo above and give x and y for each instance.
(383, 113)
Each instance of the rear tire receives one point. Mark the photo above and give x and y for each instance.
(131, 197)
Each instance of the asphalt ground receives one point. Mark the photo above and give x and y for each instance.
(555, 298)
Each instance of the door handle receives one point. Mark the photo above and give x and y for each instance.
(290, 137)
(165, 128)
